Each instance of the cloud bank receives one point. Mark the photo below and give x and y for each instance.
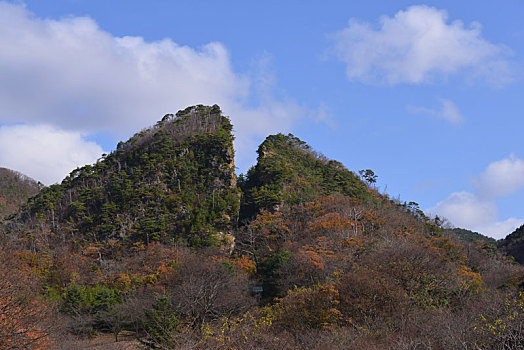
(76, 77)
(419, 45)
(44, 150)
(478, 211)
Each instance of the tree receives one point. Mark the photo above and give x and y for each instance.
(24, 320)
(161, 323)
(207, 290)
(368, 175)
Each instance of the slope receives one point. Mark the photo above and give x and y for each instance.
(173, 181)
(324, 261)
(15, 189)
(289, 171)
(513, 244)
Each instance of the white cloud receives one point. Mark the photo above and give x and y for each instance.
(71, 74)
(467, 210)
(448, 111)
(501, 178)
(464, 209)
(418, 45)
(501, 229)
(43, 152)
(478, 211)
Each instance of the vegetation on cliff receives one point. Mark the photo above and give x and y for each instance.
(288, 171)
(174, 181)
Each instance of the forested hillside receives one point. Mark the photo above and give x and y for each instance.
(513, 244)
(468, 235)
(157, 246)
(15, 189)
(288, 171)
(174, 181)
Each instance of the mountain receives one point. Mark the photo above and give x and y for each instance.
(469, 235)
(172, 182)
(513, 244)
(316, 257)
(288, 171)
(15, 189)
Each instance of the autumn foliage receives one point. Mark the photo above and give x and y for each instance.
(24, 317)
(150, 244)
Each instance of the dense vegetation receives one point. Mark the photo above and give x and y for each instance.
(174, 181)
(472, 236)
(289, 171)
(513, 244)
(321, 259)
(15, 189)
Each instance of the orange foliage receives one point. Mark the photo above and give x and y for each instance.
(329, 221)
(272, 225)
(353, 242)
(22, 316)
(247, 265)
(310, 259)
(447, 249)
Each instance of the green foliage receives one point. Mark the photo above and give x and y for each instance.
(338, 263)
(89, 299)
(174, 180)
(228, 266)
(468, 235)
(289, 171)
(270, 273)
(368, 175)
(160, 323)
(513, 244)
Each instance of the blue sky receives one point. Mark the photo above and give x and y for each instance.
(427, 94)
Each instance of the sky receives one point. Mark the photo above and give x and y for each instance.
(426, 94)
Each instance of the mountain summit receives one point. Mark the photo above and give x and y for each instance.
(290, 171)
(173, 181)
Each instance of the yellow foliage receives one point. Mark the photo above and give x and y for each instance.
(314, 307)
(470, 281)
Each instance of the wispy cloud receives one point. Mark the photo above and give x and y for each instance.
(419, 45)
(448, 111)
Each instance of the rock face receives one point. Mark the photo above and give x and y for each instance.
(172, 182)
(289, 171)
(513, 244)
(15, 189)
